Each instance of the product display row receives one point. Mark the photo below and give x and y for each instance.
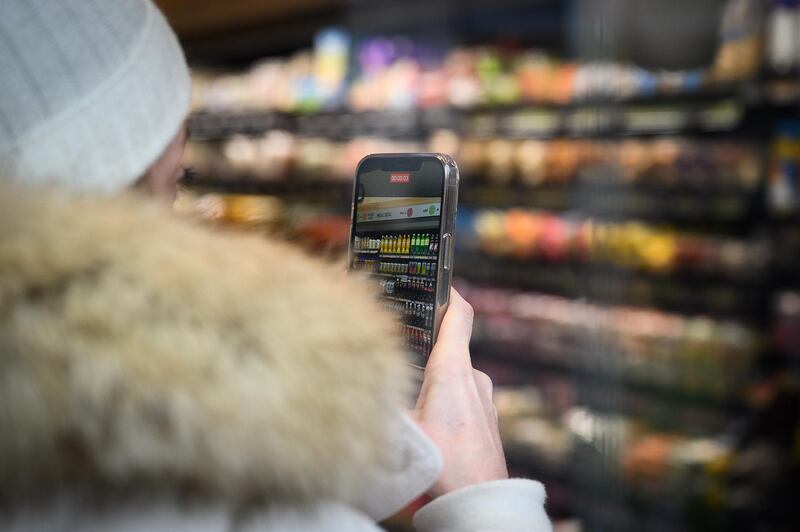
(413, 313)
(640, 455)
(526, 235)
(684, 293)
(418, 340)
(424, 269)
(626, 474)
(783, 46)
(407, 287)
(400, 244)
(667, 163)
(784, 172)
(401, 73)
(280, 155)
(693, 355)
(620, 469)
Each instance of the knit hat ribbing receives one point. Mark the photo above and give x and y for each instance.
(91, 91)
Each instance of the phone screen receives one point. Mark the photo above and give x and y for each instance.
(396, 239)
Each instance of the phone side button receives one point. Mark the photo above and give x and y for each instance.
(446, 255)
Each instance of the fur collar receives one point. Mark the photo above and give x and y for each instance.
(138, 347)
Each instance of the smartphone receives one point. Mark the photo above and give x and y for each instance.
(402, 230)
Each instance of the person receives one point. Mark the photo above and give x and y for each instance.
(160, 375)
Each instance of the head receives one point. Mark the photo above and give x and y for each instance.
(95, 102)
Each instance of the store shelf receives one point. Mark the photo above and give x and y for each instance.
(690, 113)
(720, 108)
(221, 125)
(723, 210)
(726, 210)
(707, 293)
(408, 257)
(609, 496)
(404, 276)
(686, 166)
(414, 327)
(366, 251)
(610, 383)
(402, 299)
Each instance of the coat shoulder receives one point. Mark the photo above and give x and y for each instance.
(136, 345)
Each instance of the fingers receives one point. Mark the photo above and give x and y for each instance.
(452, 345)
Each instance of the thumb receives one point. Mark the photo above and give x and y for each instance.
(452, 344)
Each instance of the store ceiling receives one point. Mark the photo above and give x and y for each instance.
(198, 18)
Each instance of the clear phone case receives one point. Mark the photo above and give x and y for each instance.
(449, 207)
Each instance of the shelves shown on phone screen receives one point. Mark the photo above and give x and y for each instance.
(408, 257)
(395, 255)
(402, 276)
(400, 299)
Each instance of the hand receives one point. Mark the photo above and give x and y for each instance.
(455, 407)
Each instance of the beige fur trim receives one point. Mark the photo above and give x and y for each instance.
(134, 345)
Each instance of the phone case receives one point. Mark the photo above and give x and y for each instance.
(444, 274)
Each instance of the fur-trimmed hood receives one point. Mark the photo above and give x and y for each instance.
(136, 347)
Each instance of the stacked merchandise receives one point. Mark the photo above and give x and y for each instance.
(398, 73)
(668, 162)
(696, 356)
(533, 236)
(283, 156)
(784, 175)
(616, 464)
(783, 47)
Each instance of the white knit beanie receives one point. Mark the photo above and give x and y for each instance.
(91, 91)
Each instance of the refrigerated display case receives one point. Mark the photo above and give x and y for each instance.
(627, 235)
